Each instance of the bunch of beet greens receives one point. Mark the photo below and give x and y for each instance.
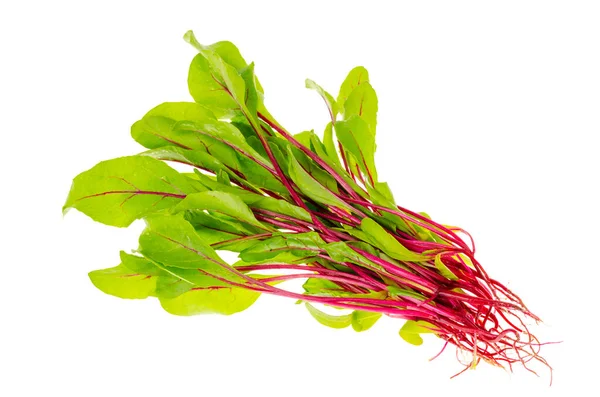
(305, 207)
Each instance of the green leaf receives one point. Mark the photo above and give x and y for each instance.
(443, 269)
(356, 138)
(341, 252)
(259, 176)
(362, 320)
(172, 241)
(359, 234)
(300, 245)
(231, 80)
(362, 102)
(221, 132)
(411, 331)
(310, 186)
(170, 286)
(230, 54)
(139, 264)
(122, 282)
(330, 146)
(403, 292)
(321, 287)
(156, 128)
(304, 137)
(281, 207)
(199, 218)
(384, 189)
(252, 96)
(328, 319)
(220, 300)
(210, 182)
(117, 192)
(335, 165)
(380, 196)
(329, 101)
(220, 240)
(221, 202)
(323, 177)
(355, 78)
(196, 158)
(212, 137)
(223, 177)
(388, 243)
(213, 82)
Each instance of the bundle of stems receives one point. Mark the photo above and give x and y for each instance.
(294, 206)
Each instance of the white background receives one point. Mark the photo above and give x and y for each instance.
(488, 118)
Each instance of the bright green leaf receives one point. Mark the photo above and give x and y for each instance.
(356, 138)
(220, 300)
(362, 320)
(304, 137)
(199, 218)
(221, 132)
(384, 189)
(329, 101)
(403, 292)
(321, 287)
(252, 96)
(330, 146)
(443, 269)
(122, 282)
(156, 128)
(139, 264)
(170, 286)
(299, 245)
(388, 243)
(196, 158)
(221, 202)
(411, 331)
(172, 241)
(223, 177)
(310, 186)
(355, 78)
(329, 320)
(117, 192)
(230, 54)
(213, 82)
(362, 102)
(282, 207)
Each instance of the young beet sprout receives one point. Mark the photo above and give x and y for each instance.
(293, 206)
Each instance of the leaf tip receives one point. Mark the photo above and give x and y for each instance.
(190, 38)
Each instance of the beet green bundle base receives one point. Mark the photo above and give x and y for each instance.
(293, 206)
